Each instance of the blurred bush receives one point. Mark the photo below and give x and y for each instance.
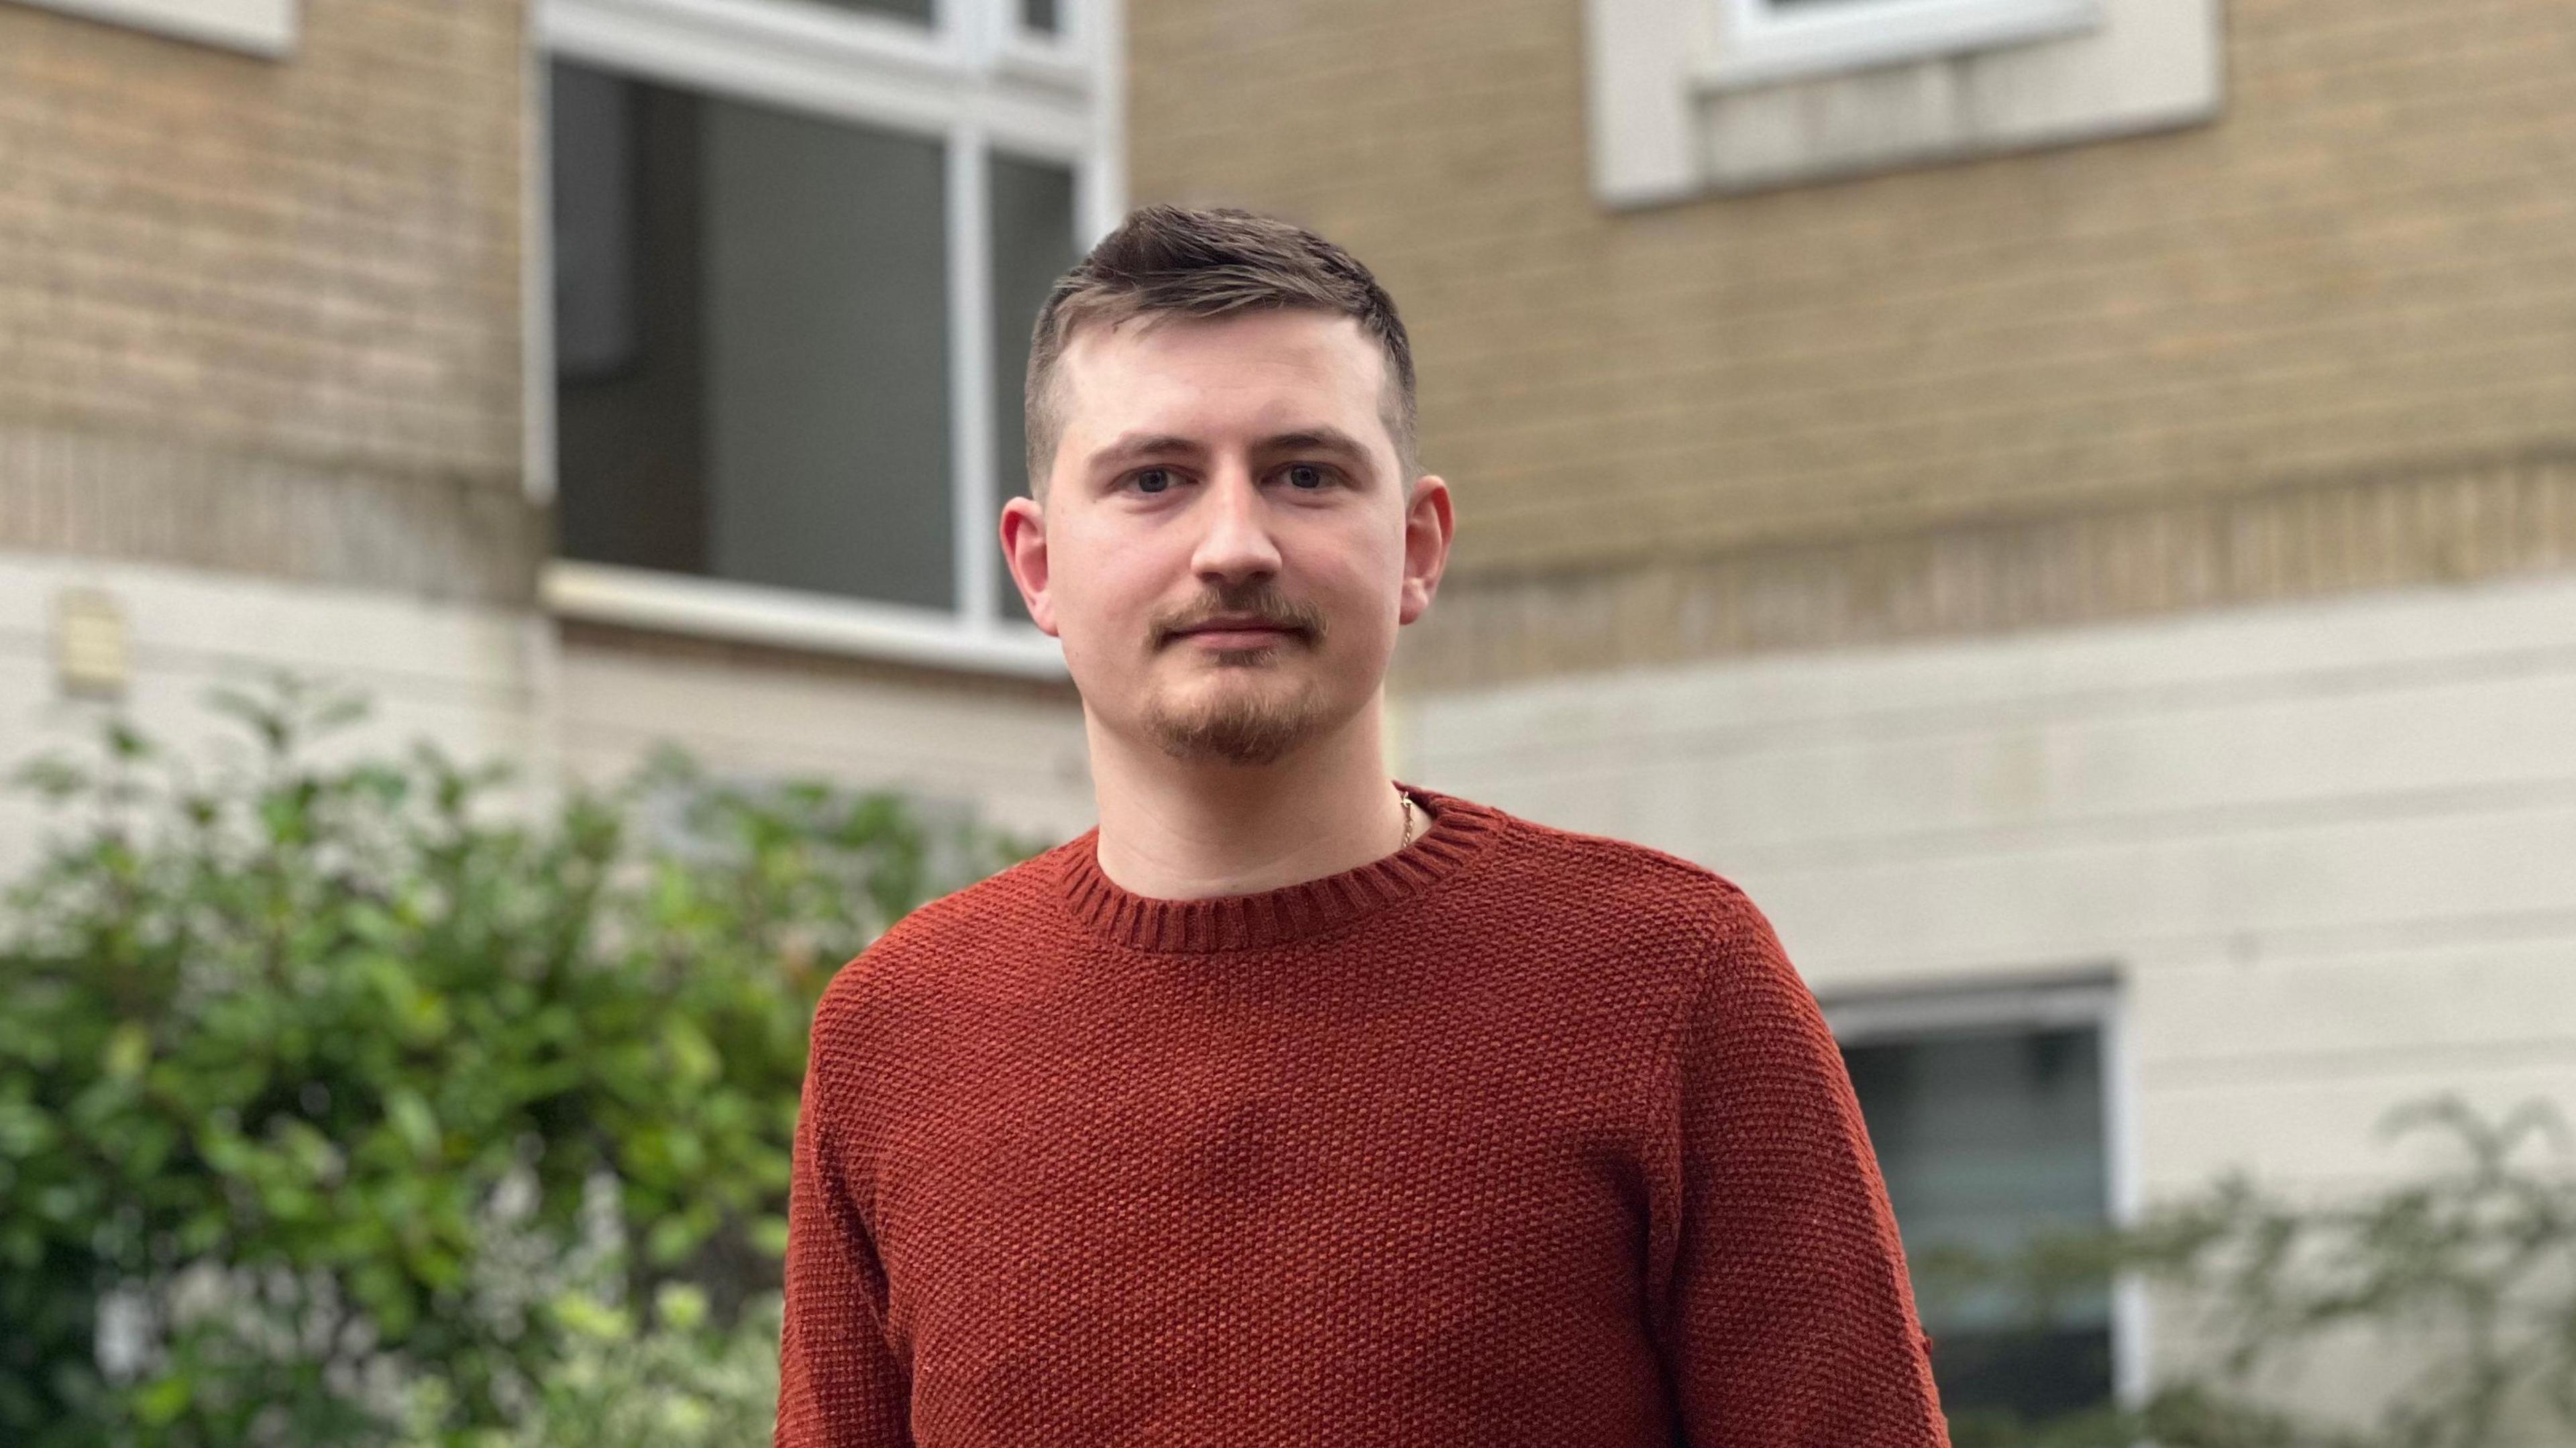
(2463, 1281)
(371, 1103)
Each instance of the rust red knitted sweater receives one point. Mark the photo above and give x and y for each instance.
(1515, 1136)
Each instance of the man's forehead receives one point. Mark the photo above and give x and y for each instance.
(1150, 339)
(1179, 345)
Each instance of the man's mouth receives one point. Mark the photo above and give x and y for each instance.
(1243, 634)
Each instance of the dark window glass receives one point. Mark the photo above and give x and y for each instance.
(1040, 15)
(752, 343)
(1987, 1137)
(1033, 245)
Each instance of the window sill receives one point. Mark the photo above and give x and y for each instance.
(263, 28)
(1681, 106)
(717, 608)
(1893, 32)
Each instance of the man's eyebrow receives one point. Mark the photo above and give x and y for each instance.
(1312, 439)
(1143, 445)
(1317, 439)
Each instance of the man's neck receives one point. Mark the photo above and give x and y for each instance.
(1186, 831)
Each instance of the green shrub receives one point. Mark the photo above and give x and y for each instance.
(306, 1071)
(2467, 1278)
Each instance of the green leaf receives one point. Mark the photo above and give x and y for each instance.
(693, 1056)
(129, 1050)
(680, 1306)
(671, 1239)
(586, 1315)
(409, 1114)
(161, 1401)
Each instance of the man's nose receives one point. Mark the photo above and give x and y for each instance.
(1237, 541)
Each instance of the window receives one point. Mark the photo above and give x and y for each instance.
(262, 27)
(1775, 39)
(796, 249)
(1990, 1115)
(1695, 96)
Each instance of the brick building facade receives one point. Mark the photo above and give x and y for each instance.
(2072, 503)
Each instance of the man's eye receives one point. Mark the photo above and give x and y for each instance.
(1299, 473)
(1161, 477)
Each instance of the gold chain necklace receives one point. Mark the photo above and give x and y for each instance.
(1408, 819)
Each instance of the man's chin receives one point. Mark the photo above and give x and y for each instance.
(1240, 730)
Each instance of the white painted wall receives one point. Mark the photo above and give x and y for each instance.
(2329, 849)
(1018, 760)
(475, 678)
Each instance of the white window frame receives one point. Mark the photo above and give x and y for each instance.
(1760, 42)
(974, 79)
(2088, 997)
(1038, 55)
(261, 27)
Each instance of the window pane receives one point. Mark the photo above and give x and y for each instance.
(627, 414)
(595, 239)
(1986, 1137)
(827, 357)
(900, 9)
(1039, 15)
(774, 408)
(1033, 245)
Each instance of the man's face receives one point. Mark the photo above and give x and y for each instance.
(1230, 471)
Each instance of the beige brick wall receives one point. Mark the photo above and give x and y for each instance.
(265, 315)
(1905, 404)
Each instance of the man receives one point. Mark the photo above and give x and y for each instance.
(1294, 1104)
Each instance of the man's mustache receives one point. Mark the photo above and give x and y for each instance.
(1262, 613)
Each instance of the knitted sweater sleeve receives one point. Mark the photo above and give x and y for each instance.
(1776, 1282)
(840, 1384)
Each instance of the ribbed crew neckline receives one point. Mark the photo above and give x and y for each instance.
(1460, 829)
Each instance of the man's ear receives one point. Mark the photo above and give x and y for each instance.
(1024, 549)
(1428, 526)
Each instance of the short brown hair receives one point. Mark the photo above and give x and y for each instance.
(1210, 262)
